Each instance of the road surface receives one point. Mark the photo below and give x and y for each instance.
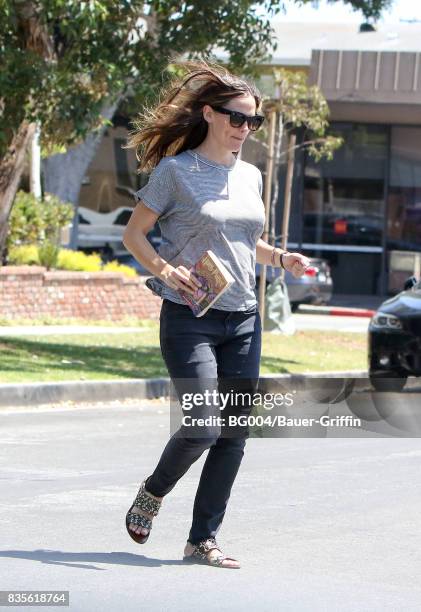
(318, 524)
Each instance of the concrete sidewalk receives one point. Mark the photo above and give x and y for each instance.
(51, 330)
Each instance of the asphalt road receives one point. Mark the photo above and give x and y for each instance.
(319, 524)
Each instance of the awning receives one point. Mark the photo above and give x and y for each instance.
(379, 77)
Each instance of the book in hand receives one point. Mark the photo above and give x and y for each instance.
(215, 280)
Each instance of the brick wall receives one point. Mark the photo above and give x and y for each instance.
(30, 292)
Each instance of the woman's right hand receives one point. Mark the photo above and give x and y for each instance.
(179, 278)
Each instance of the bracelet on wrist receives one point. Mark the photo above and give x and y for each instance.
(272, 257)
(281, 261)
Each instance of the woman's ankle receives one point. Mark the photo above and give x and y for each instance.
(159, 497)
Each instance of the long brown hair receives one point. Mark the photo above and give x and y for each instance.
(176, 123)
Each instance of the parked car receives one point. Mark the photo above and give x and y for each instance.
(314, 287)
(103, 233)
(394, 339)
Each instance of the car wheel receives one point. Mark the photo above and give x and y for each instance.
(389, 382)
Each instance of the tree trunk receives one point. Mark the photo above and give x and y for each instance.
(267, 194)
(11, 168)
(63, 173)
(33, 36)
(287, 194)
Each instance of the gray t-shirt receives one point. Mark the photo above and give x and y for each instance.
(205, 205)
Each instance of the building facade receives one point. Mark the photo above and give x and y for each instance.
(362, 210)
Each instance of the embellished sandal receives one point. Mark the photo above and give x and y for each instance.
(200, 555)
(147, 502)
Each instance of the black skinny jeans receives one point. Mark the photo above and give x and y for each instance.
(225, 347)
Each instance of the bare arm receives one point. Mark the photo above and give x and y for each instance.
(141, 222)
(293, 262)
(264, 254)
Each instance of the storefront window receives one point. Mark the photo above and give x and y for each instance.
(404, 199)
(344, 198)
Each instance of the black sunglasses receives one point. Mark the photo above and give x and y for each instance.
(237, 119)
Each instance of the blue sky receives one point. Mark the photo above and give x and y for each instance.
(401, 9)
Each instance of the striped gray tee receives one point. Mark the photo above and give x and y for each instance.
(205, 205)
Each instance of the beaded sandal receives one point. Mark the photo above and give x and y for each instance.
(200, 555)
(147, 502)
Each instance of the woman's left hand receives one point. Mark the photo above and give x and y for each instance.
(296, 263)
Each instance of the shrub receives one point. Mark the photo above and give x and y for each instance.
(78, 261)
(50, 256)
(26, 254)
(48, 253)
(32, 220)
(115, 266)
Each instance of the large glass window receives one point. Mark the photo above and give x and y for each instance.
(404, 199)
(344, 198)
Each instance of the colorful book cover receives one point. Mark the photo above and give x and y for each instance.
(215, 280)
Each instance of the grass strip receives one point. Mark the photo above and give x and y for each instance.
(104, 356)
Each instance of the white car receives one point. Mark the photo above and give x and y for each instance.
(103, 230)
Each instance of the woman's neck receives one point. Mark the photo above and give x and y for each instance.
(214, 153)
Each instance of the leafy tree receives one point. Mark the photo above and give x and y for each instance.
(297, 107)
(68, 63)
(371, 9)
(305, 107)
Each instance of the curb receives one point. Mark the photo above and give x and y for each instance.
(337, 311)
(31, 394)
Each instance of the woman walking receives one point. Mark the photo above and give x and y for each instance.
(204, 197)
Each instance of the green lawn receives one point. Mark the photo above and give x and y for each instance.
(138, 355)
